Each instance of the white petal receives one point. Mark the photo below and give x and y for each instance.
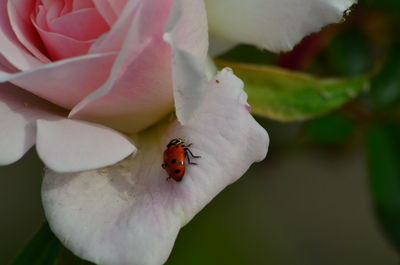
(128, 214)
(276, 25)
(189, 81)
(70, 145)
(19, 111)
(189, 43)
(188, 25)
(219, 46)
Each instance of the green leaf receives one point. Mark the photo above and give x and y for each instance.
(384, 170)
(291, 96)
(41, 250)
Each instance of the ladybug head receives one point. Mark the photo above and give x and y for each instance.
(175, 142)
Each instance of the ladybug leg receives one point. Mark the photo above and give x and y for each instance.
(187, 150)
(190, 163)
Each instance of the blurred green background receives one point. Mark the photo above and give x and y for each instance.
(329, 190)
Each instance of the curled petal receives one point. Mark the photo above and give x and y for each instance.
(187, 24)
(19, 111)
(128, 214)
(70, 47)
(139, 97)
(70, 35)
(110, 9)
(69, 145)
(105, 10)
(189, 82)
(139, 81)
(148, 56)
(276, 25)
(188, 55)
(6, 66)
(10, 47)
(19, 15)
(85, 24)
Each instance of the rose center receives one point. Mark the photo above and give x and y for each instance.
(67, 28)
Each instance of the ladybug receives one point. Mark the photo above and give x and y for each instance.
(175, 157)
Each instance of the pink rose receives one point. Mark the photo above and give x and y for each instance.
(90, 82)
(101, 61)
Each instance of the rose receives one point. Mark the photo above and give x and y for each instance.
(106, 73)
(126, 71)
(164, 66)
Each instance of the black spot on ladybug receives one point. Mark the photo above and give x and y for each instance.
(181, 163)
(173, 161)
(176, 146)
(177, 171)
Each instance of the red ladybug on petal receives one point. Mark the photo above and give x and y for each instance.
(175, 158)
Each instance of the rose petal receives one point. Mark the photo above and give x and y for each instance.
(129, 213)
(81, 4)
(106, 11)
(152, 68)
(84, 24)
(19, 12)
(276, 25)
(139, 94)
(66, 82)
(6, 66)
(188, 26)
(40, 18)
(54, 8)
(60, 46)
(189, 82)
(118, 5)
(69, 145)
(115, 38)
(19, 111)
(188, 61)
(10, 47)
(218, 46)
(110, 9)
